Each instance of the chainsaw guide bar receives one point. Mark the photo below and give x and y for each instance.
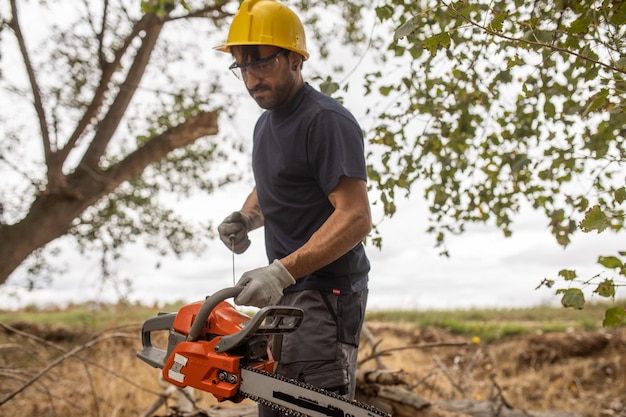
(298, 399)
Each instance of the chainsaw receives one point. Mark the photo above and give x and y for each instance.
(214, 348)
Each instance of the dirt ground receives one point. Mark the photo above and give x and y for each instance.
(56, 372)
(580, 371)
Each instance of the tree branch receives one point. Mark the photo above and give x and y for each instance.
(216, 9)
(201, 125)
(41, 114)
(108, 126)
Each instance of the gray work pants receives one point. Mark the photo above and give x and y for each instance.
(323, 350)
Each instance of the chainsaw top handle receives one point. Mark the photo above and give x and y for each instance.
(209, 304)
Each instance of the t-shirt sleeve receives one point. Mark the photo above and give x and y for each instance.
(335, 148)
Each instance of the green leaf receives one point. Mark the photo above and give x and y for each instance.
(407, 28)
(595, 219)
(384, 13)
(597, 102)
(159, 7)
(620, 195)
(433, 43)
(549, 109)
(567, 274)
(528, 91)
(145, 6)
(614, 317)
(549, 283)
(496, 23)
(619, 16)
(606, 289)
(580, 25)
(385, 90)
(610, 262)
(574, 298)
(329, 87)
(515, 61)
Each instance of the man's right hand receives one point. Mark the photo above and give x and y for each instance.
(234, 232)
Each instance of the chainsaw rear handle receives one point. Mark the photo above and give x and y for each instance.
(151, 355)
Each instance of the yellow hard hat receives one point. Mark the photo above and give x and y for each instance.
(266, 22)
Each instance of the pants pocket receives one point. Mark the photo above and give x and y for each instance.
(330, 376)
(350, 317)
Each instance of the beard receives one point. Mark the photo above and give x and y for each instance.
(276, 95)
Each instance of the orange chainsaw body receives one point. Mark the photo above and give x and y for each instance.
(223, 319)
(210, 341)
(197, 365)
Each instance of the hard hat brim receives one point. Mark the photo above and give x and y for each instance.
(226, 47)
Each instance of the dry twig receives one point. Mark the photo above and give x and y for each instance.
(62, 358)
(386, 352)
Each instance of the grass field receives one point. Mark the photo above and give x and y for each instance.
(488, 324)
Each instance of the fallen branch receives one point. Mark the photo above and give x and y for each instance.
(370, 338)
(159, 402)
(382, 377)
(87, 361)
(386, 352)
(60, 360)
(448, 375)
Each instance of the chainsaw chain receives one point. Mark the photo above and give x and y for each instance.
(292, 413)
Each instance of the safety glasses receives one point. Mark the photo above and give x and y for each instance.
(258, 69)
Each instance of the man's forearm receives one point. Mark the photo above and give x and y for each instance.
(338, 235)
(252, 209)
(343, 230)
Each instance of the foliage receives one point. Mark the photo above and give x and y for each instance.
(604, 286)
(500, 102)
(504, 102)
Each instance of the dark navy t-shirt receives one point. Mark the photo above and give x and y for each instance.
(299, 154)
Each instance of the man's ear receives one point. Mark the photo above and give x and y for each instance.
(295, 61)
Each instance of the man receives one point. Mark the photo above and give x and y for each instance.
(310, 195)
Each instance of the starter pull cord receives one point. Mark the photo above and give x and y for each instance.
(232, 248)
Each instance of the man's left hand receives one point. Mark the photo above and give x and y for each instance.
(264, 286)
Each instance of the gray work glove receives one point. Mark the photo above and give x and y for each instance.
(234, 232)
(264, 286)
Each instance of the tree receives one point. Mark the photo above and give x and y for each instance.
(105, 123)
(89, 179)
(501, 102)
